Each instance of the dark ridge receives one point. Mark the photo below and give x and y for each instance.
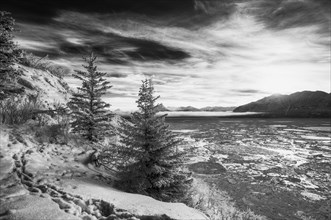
(299, 104)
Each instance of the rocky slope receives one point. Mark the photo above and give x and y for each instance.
(299, 104)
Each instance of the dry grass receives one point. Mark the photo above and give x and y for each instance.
(216, 204)
(16, 111)
(43, 63)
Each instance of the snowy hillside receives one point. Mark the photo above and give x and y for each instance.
(44, 177)
(51, 89)
(51, 181)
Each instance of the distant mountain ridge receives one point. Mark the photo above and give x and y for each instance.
(299, 104)
(217, 108)
(188, 109)
(194, 109)
(161, 108)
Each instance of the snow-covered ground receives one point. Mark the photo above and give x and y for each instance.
(52, 181)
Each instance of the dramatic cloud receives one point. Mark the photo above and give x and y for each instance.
(198, 52)
(247, 91)
(282, 14)
(116, 75)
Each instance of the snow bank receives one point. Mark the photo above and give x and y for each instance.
(312, 196)
(135, 203)
(30, 207)
(45, 182)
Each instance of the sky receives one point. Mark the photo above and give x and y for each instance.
(198, 52)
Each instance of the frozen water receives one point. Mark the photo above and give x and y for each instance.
(296, 152)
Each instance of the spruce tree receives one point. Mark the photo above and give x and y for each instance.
(90, 114)
(8, 56)
(151, 160)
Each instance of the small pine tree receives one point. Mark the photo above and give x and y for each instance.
(8, 55)
(151, 161)
(89, 111)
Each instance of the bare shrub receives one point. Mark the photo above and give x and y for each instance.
(30, 60)
(43, 63)
(48, 133)
(58, 71)
(58, 131)
(63, 120)
(64, 85)
(15, 111)
(111, 157)
(217, 204)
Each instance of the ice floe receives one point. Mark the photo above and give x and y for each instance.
(312, 196)
(185, 131)
(311, 137)
(321, 128)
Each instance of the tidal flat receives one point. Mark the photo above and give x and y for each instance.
(279, 168)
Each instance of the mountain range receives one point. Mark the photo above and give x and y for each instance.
(299, 104)
(194, 109)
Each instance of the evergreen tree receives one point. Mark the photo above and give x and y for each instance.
(151, 161)
(8, 55)
(89, 111)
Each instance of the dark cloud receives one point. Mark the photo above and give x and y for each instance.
(282, 14)
(120, 94)
(43, 21)
(109, 47)
(41, 11)
(186, 13)
(117, 75)
(113, 48)
(247, 91)
(159, 82)
(149, 50)
(205, 12)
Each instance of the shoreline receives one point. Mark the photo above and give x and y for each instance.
(230, 115)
